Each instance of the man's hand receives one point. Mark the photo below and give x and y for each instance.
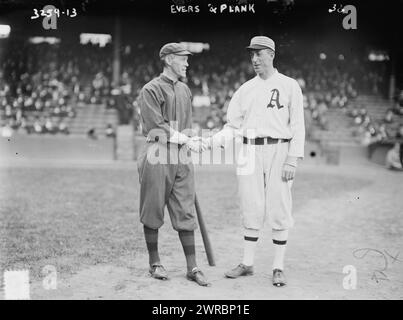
(288, 172)
(210, 145)
(289, 168)
(196, 144)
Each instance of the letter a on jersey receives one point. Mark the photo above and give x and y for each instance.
(275, 97)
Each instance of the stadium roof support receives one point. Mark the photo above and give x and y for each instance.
(116, 52)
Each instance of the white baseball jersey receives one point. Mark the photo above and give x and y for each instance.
(267, 108)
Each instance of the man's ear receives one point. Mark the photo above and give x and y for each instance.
(271, 53)
(168, 59)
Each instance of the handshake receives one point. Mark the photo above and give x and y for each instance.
(198, 144)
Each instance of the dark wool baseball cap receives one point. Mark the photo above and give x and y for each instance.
(261, 42)
(174, 48)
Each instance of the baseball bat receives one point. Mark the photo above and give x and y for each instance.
(203, 230)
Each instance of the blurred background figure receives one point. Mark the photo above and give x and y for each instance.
(110, 131)
(91, 134)
(393, 158)
(66, 87)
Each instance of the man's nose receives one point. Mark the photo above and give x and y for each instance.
(254, 57)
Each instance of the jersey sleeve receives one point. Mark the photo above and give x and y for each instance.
(153, 122)
(234, 121)
(297, 123)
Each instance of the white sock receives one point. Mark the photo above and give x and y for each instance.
(280, 244)
(250, 241)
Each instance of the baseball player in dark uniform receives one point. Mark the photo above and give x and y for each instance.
(165, 171)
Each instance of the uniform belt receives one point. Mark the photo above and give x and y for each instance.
(263, 140)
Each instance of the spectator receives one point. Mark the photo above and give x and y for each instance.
(399, 133)
(363, 112)
(388, 116)
(383, 133)
(353, 113)
(49, 126)
(38, 128)
(52, 79)
(399, 98)
(109, 131)
(91, 133)
(393, 159)
(63, 128)
(6, 131)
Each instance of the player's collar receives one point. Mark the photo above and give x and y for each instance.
(168, 79)
(269, 78)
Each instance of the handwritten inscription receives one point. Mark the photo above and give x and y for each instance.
(184, 9)
(223, 8)
(385, 256)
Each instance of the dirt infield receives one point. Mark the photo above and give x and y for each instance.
(84, 221)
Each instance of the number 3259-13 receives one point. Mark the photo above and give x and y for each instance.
(52, 12)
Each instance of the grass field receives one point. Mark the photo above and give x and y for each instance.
(79, 218)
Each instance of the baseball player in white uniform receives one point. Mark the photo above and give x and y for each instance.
(267, 112)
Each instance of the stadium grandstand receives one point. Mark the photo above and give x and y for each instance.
(83, 79)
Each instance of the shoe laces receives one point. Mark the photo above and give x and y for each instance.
(196, 270)
(155, 266)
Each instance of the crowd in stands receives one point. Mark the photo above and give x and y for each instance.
(388, 128)
(41, 85)
(35, 91)
(214, 76)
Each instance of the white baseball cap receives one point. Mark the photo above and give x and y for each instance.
(261, 42)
